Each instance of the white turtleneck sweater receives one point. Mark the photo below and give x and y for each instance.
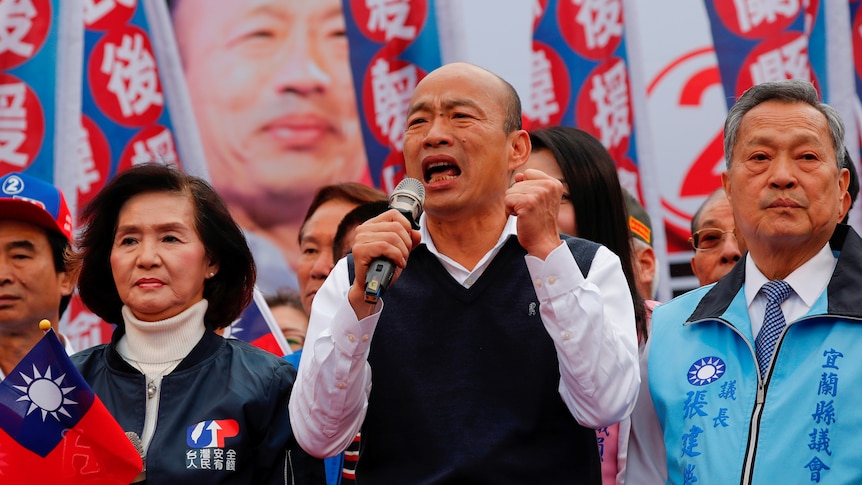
(156, 348)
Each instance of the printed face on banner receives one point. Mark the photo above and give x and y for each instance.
(272, 91)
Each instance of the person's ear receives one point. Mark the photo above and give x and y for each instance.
(845, 201)
(212, 269)
(66, 282)
(519, 149)
(646, 262)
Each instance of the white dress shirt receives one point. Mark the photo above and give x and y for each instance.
(591, 321)
(808, 282)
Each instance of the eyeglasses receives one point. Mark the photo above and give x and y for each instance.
(708, 238)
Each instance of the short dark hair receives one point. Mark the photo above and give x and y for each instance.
(229, 292)
(60, 254)
(285, 297)
(785, 91)
(597, 197)
(355, 217)
(353, 192)
(513, 121)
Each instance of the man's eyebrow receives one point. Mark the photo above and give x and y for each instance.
(21, 244)
(447, 105)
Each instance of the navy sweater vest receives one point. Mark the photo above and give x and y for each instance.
(465, 382)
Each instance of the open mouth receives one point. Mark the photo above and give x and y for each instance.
(439, 171)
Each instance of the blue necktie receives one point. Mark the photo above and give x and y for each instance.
(773, 322)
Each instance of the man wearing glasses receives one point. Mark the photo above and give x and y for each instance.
(716, 246)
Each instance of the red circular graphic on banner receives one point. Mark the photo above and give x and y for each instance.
(124, 78)
(396, 23)
(630, 177)
(152, 144)
(94, 160)
(387, 87)
(603, 107)
(592, 29)
(538, 10)
(393, 171)
(108, 14)
(812, 9)
(84, 329)
(782, 56)
(23, 126)
(24, 30)
(857, 43)
(551, 89)
(756, 20)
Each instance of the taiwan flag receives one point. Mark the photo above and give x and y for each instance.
(257, 326)
(53, 428)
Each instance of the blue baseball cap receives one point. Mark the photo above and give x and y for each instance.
(29, 199)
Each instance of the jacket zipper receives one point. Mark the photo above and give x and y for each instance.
(754, 429)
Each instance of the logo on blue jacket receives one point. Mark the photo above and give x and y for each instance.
(211, 434)
(706, 371)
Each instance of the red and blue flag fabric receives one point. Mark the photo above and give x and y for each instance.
(54, 429)
(257, 326)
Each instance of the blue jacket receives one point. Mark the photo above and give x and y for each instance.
(222, 416)
(722, 424)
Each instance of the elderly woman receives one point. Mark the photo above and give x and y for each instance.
(162, 259)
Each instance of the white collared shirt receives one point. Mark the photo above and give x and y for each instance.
(458, 272)
(808, 282)
(590, 320)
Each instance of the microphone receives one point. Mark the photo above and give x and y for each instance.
(407, 198)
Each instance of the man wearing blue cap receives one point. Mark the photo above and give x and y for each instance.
(35, 230)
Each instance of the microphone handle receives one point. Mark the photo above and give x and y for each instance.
(377, 279)
(381, 270)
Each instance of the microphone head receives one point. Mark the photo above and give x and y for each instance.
(407, 198)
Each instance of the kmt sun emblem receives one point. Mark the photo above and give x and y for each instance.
(706, 371)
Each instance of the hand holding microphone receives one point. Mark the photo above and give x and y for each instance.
(407, 198)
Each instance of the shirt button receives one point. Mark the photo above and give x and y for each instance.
(567, 336)
(365, 338)
(552, 280)
(341, 385)
(351, 338)
(538, 283)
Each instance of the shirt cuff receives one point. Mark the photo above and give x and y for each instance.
(351, 336)
(556, 275)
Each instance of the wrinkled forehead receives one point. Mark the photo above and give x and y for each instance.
(717, 213)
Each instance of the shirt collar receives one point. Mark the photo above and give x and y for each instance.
(808, 281)
(510, 229)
